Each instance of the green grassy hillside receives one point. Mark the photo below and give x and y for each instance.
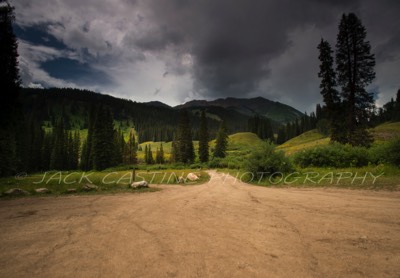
(242, 140)
(306, 140)
(386, 131)
(313, 138)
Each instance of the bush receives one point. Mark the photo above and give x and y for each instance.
(387, 153)
(334, 155)
(265, 158)
(217, 162)
(393, 152)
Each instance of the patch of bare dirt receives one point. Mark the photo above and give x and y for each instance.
(223, 228)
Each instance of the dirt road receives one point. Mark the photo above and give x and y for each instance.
(218, 229)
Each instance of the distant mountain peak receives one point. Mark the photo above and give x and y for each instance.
(157, 103)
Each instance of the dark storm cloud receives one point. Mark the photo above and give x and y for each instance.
(180, 50)
(232, 42)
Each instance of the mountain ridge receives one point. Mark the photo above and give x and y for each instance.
(274, 110)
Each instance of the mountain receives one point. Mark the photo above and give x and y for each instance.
(273, 110)
(157, 104)
(154, 121)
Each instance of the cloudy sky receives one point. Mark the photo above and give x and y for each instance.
(178, 50)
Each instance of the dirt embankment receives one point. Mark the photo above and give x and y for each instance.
(220, 229)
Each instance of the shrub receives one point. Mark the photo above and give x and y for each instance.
(217, 162)
(265, 158)
(393, 152)
(334, 155)
(387, 153)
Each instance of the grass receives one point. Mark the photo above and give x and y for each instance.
(386, 131)
(242, 140)
(107, 181)
(306, 140)
(313, 138)
(379, 177)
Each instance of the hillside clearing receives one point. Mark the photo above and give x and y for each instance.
(313, 138)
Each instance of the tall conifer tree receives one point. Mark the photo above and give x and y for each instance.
(355, 70)
(10, 84)
(103, 140)
(203, 138)
(333, 106)
(221, 143)
(185, 149)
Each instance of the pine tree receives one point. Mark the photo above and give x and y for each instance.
(185, 149)
(46, 150)
(355, 70)
(35, 143)
(69, 151)
(328, 78)
(87, 155)
(103, 140)
(174, 150)
(269, 133)
(221, 143)
(160, 155)
(119, 147)
(150, 156)
(58, 160)
(281, 136)
(10, 84)
(146, 155)
(203, 138)
(76, 150)
(396, 116)
(318, 112)
(131, 149)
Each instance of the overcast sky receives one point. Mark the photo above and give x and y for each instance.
(178, 50)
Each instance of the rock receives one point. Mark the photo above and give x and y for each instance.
(16, 192)
(181, 180)
(90, 187)
(192, 177)
(71, 190)
(139, 184)
(42, 190)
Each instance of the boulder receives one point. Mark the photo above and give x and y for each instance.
(16, 192)
(89, 187)
(181, 180)
(71, 190)
(192, 177)
(42, 190)
(139, 184)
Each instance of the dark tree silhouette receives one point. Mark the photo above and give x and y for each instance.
(131, 149)
(103, 140)
(333, 107)
(355, 70)
(160, 155)
(221, 143)
(9, 83)
(87, 154)
(203, 138)
(185, 149)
